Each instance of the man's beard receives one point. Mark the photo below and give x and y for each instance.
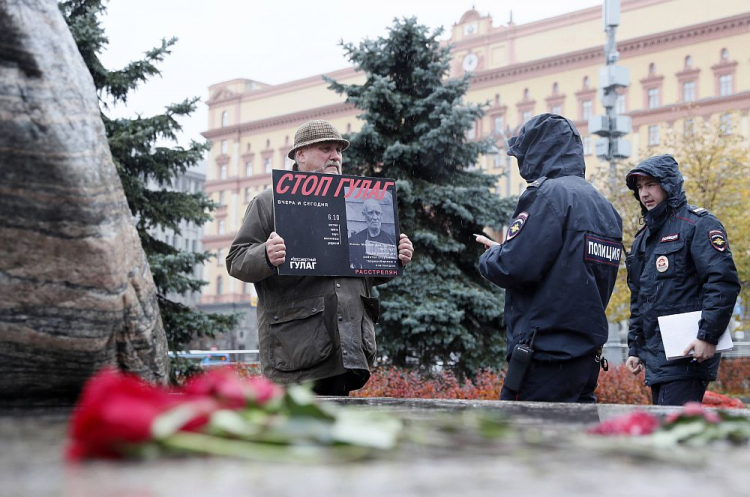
(335, 163)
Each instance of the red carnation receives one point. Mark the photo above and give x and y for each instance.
(232, 391)
(693, 410)
(635, 423)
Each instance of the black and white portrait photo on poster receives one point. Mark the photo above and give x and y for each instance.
(372, 231)
(336, 225)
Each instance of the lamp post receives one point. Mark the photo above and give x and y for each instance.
(611, 127)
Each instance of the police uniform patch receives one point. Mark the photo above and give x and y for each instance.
(662, 263)
(602, 251)
(670, 238)
(718, 240)
(516, 226)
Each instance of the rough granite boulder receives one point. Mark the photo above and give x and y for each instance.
(76, 291)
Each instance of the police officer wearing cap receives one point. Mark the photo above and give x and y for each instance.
(316, 329)
(680, 262)
(558, 265)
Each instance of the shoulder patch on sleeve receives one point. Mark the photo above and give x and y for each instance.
(602, 251)
(718, 240)
(516, 226)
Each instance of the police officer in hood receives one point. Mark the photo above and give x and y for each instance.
(558, 265)
(680, 262)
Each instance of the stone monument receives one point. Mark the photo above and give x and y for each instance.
(76, 291)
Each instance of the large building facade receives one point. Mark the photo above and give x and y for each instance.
(687, 59)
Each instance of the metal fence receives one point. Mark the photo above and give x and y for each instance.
(616, 353)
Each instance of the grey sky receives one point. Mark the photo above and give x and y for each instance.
(272, 41)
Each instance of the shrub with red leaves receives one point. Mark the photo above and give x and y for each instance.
(733, 377)
(620, 386)
(405, 383)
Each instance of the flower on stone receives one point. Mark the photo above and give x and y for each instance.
(232, 391)
(119, 412)
(634, 424)
(115, 411)
(691, 411)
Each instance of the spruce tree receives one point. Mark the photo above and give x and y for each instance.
(139, 156)
(441, 312)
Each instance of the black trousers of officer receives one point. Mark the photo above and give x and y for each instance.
(677, 393)
(573, 380)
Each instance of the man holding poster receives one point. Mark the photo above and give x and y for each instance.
(310, 328)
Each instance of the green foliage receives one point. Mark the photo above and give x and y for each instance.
(138, 158)
(442, 312)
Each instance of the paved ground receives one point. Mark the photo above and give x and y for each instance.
(547, 455)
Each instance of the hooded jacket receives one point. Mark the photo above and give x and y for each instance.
(680, 262)
(559, 260)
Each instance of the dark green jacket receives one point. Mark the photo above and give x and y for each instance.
(309, 327)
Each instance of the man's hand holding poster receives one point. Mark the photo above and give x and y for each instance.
(336, 225)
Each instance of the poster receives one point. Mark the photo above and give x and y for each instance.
(336, 225)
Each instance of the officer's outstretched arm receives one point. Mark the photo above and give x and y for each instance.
(533, 242)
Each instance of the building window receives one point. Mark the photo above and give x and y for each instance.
(222, 198)
(497, 99)
(220, 257)
(224, 119)
(525, 93)
(267, 165)
(586, 82)
(557, 109)
(653, 98)
(248, 195)
(348, 127)
(526, 116)
(688, 62)
(555, 88)
(498, 124)
(688, 91)
(586, 145)
(219, 285)
(586, 109)
(248, 168)
(725, 126)
(288, 163)
(724, 55)
(472, 133)
(653, 135)
(620, 104)
(268, 143)
(222, 226)
(224, 147)
(195, 246)
(725, 85)
(689, 130)
(223, 171)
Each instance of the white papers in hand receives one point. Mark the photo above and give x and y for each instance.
(678, 330)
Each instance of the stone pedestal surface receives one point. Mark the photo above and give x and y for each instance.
(76, 292)
(31, 463)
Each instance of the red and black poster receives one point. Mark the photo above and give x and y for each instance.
(336, 225)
